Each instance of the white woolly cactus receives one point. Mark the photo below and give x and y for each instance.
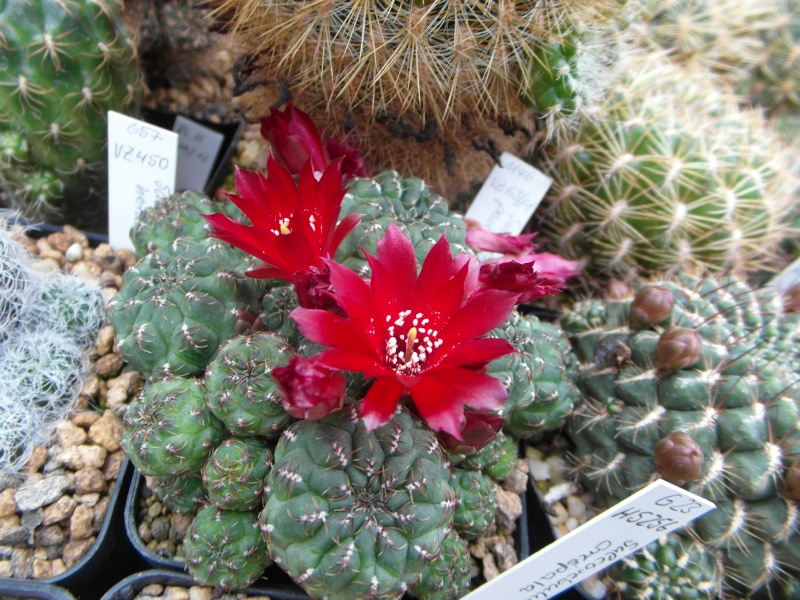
(47, 322)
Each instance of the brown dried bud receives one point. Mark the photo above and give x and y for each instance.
(791, 482)
(677, 348)
(617, 290)
(651, 305)
(678, 458)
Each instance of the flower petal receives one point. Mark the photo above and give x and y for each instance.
(439, 405)
(477, 390)
(352, 293)
(380, 402)
(394, 272)
(353, 360)
(329, 329)
(475, 352)
(484, 311)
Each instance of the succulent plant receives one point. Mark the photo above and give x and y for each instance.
(669, 175)
(184, 494)
(65, 64)
(447, 578)
(225, 549)
(357, 513)
(714, 412)
(236, 472)
(476, 502)
(496, 459)
(168, 429)
(177, 306)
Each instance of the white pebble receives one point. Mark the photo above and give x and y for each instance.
(594, 588)
(559, 492)
(74, 253)
(576, 507)
(572, 524)
(539, 471)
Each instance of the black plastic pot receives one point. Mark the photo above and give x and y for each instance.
(32, 589)
(86, 577)
(280, 585)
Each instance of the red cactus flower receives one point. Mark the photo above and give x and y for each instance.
(479, 238)
(294, 223)
(416, 333)
(308, 388)
(479, 429)
(520, 278)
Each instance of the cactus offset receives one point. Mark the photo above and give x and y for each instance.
(235, 474)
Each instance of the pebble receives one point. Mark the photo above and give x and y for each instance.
(41, 493)
(74, 253)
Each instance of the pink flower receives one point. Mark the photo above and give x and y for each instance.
(308, 388)
(482, 239)
(415, 333)
(294, 223)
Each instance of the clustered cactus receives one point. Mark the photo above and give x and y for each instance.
(275, 454)
(48, 322)
(66, 63)
(694, 380)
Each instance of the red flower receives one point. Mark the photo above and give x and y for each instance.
(479, 238)
(308, 388)
(294, 223)
(479, 429)
(519, 278)
(415, 333)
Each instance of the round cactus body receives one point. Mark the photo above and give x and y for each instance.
(241, 392)
(722, 425)
(538, 376)
(177, 306)
(168, 430)
(184, 494)
(65, 64)
(447, 578)
(356, 513)
(496, 459)
(236, 472)
(225, 548)
(476, 502)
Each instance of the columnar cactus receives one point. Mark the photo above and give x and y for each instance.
(704, 395)
(65, 64)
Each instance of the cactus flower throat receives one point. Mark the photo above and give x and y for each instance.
(417, 334)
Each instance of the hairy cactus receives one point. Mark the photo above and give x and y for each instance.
(66, 63)
(235, 474)
(168, 430)
(177, 306)
(538, 376)
(720, 421)
(669, 175)
(357, 513)
(225, 549)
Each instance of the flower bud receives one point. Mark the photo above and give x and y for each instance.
(677, 348)
(309, 389)
(479, 429)
(678, 458)
(651, 305)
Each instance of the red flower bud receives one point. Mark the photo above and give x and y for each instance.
(294, 139)
(353, 163)
(479, 429)
(309, 389)
(677, 348)
(518, 278)
(678, 458)
(652, 304)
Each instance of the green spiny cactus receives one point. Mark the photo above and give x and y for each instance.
(177, 306)
(235, 474)
(671, 568)
(496, 459)
(65, 63)
(669, 175)
(408, 202)
(447, 578)
(537, 377)
(241, 392)
(168, 429)
(184, 494)
(357, 513)
(276, 304)
(225, 549)
(714, 410)
(476, 502)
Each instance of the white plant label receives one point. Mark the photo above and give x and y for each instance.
(786, 279)
(142, 162)
(198, 147)
(509, 196)
(645, 516)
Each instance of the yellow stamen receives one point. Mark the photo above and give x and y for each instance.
(285, 230)
(412, 335)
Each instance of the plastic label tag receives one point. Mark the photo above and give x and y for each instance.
(785, 280)
(509, 196)
(198, 147)
(142, 161)
(648, 514)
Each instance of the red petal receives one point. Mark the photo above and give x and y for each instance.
(247, 239)
(475, 352)
(343, 229)
(477, 390)
(439, 405)
(269, 273)
(379, 404)
(351, 360)
(328, 329)
(352, 292)
(483, 312)
(394, 272)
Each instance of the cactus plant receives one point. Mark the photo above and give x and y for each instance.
(235, 474)
(447, 578)
(476, 502)
(65, 64)
(713, 409)
(669, 175)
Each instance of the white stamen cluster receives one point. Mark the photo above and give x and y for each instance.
(407, 352)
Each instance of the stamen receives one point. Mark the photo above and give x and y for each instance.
(412, 335)
(284, 226)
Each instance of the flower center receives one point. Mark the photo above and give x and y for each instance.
(408, 348)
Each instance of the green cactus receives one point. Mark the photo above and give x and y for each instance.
(235, 474)
(670, 175)
(420, 214)
(241, 392)
(225, 549)
(705, 397)
(538, 376)
(177, 306)
(184, 494)
(671, 568)
(65, 63)
(357, 513)
(447, 578)
(476, 502)
(168, 429)
(496, 459)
